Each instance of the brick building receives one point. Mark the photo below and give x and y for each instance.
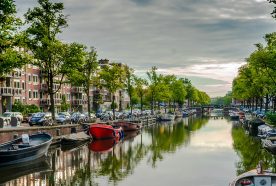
(28, 86)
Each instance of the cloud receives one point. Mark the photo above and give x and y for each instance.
(171, 34)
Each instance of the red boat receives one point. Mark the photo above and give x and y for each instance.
(104, 131)
(127, 126)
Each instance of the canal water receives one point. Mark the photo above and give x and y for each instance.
(195, 151)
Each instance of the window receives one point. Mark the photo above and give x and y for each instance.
(30, 94)
(35, 78)
(35, 94)
(23, 86)
(68, 96)
(30, 78)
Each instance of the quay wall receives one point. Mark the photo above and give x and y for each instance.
(7, 134)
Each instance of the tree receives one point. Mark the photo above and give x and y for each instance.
(64, 105)
(113, 77)
(9, 39)
(55, 58)
(178, 92)
(85, 74)
(153, 86)
(140, 89)
(129, 84)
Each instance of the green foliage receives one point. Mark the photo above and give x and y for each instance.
(114, 105)
(85, 74)
(225, 100)
(24, 109)
(257, 78)
(9, 39)
(113, 77)
(18, 107)
(271, 118)
(64, 105)
(57, 59)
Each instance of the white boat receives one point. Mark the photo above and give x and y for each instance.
(263, 130)
(256, 177)
(269, 143)
(166, 117)
(234, 115)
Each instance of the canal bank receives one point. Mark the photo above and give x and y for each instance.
(7, 134)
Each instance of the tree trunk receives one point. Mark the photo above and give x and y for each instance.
(141, 102)
(261, 103)
(274, 103)
(174, 106)
(88, 102)
(152, 106)
(266, 102)
(256, 103)
(120, 101)
(113, 109)
(130, 102)
(51, 92)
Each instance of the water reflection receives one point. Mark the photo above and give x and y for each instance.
(108, 161)
(250, 151)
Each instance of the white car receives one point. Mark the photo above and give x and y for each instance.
(7, 117)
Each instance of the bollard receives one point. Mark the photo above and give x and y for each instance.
(58, 132)
(15, 136)
(73, 130)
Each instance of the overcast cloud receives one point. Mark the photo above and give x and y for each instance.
(204, 40)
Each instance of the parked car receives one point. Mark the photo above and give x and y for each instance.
(63, 118)
(7, 116)
(41, 118)
(78, 117)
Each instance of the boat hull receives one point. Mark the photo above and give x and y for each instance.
(10, 156)
(103, 131)
(127, 126)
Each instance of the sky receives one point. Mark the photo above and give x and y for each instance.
(203, 40)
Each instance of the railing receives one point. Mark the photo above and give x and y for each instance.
(79, 102)
(6, 91)
(48, 102)
(77, 89)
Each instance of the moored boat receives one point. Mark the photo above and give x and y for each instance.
(25, 148)
(255, 177)
(127, 126)
(104, 131)
(166, 117)
(75, 138)
(270, 144)
(234, 116)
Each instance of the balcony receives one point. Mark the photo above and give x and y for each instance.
(17, 74)
(6, 91)
(77, 89)
(79, 102)
(46, 101)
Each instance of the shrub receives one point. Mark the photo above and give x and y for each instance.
(271, 118)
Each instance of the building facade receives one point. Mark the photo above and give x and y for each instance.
(28, 86)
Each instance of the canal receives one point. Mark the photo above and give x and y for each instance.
(198, 151)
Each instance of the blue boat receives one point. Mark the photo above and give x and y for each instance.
(25, 148)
